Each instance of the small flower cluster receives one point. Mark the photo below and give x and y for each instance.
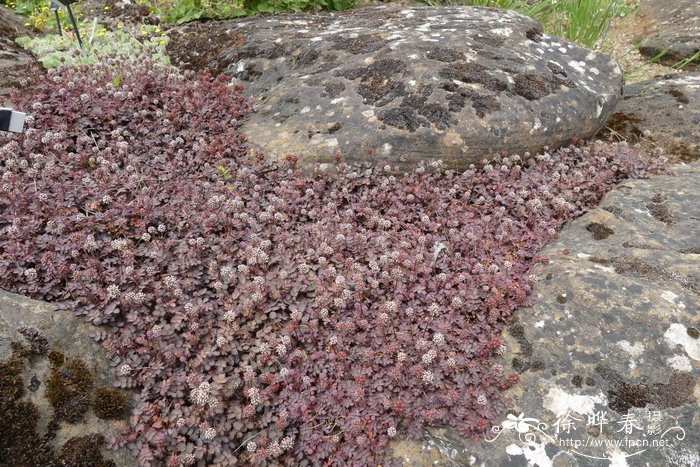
(200, 394)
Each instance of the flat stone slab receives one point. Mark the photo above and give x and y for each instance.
(670, 26)
(457, 84)
(665, 112)
(610, 352)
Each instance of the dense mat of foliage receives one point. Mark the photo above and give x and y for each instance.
(266, 314)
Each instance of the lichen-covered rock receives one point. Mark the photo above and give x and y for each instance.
(458, 84)
(14, 62)
(613, 337)
(664, 111)
(671, 28)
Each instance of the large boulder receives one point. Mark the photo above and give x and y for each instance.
(457, 84)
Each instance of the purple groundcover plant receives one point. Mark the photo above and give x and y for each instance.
(267, 316)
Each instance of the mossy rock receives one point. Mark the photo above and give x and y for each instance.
(46, 402)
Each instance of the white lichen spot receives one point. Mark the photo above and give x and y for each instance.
(316, 39)
(536, 126)
(578, 66)
(368, 60)
(673, 298)
(514, 450)
(607, 269)
(677, 334)
(617, 457)
(534, 453)
(387, 148)
(686, 81)
(241, 67)
(306, 109)
(412, 82)
(680, 363)
(423, 27)
(413, 56)
(634, 350)
(368, 113)
(278, 40)
(502, 31)
(594, 70)
(321, 140)
(338, 99)
(539, 324)
(591, 56)
(562, 50)
(583, 255)
(560, 402)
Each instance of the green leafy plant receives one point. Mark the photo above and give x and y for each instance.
(184, 11)
(54, 51)
(24, 7)
(40, 16)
